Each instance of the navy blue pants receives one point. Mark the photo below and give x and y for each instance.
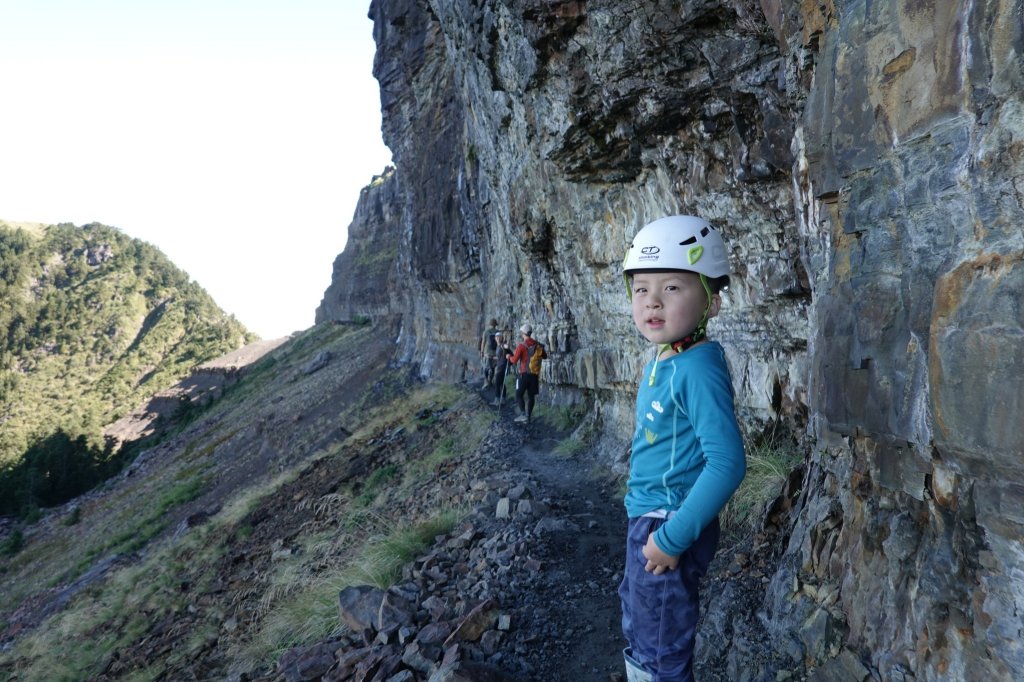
(660, 612)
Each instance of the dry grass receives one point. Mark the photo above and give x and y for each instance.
(75, 643)
(340, 543)
(407, 404)
(768, 466)
(301, 605)
(467, 435)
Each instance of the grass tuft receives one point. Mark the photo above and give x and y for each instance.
(561, 417)
(375, 482)
(568, 447)
(768, 466)
(303, 607)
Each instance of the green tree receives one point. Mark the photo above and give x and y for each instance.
(83, 340)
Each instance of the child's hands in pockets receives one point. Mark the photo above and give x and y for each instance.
(657, 561)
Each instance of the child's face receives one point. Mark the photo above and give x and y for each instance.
(668, 305)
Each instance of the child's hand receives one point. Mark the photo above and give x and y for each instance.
(657, 561)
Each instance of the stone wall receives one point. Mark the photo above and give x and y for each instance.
(864, 162)
(909, 187)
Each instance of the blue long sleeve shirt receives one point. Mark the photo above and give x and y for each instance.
(687, 450)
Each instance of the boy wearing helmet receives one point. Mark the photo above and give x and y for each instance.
(687, 454)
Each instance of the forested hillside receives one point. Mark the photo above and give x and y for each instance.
(92, 322)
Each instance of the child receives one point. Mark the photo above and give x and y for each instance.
(687, 458)
(502, 350)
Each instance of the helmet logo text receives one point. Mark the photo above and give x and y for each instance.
(649, 250)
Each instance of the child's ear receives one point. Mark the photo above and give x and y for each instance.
(716, 305)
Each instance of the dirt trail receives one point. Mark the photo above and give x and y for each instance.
(586, 567)
(575, 608)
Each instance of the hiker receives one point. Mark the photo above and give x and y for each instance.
(687, 454)
(501, 367)
(527, 359)
(487, 349)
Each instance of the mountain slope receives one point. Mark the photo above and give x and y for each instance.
(214, 539)
(91, 323)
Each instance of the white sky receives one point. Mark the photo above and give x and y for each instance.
(234, 135)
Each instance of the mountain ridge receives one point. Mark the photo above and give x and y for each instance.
(93, 322)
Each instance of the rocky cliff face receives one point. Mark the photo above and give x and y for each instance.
(864, 160)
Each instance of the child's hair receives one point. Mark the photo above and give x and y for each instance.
(718, 283)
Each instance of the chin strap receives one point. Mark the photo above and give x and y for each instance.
(691, 339)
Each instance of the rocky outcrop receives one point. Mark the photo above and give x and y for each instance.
(865, 163)
(528, 153)
(908, 181)
(364, 283)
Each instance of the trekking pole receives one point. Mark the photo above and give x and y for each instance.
(501, 389)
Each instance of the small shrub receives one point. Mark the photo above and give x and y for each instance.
(374, 483)
(13, 543)
(30, 513)
(74, 517)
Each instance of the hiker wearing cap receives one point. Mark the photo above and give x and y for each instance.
(527, 358)
(487, 351)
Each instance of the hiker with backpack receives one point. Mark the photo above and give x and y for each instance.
(527, 359)
(488, 349)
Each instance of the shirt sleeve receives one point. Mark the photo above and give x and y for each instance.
(516, 356)
(706, 398)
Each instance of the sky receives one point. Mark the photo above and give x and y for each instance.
(234, 135)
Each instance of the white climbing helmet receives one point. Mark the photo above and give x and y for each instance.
(678, 242)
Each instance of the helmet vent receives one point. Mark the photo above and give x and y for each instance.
(677, 242)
